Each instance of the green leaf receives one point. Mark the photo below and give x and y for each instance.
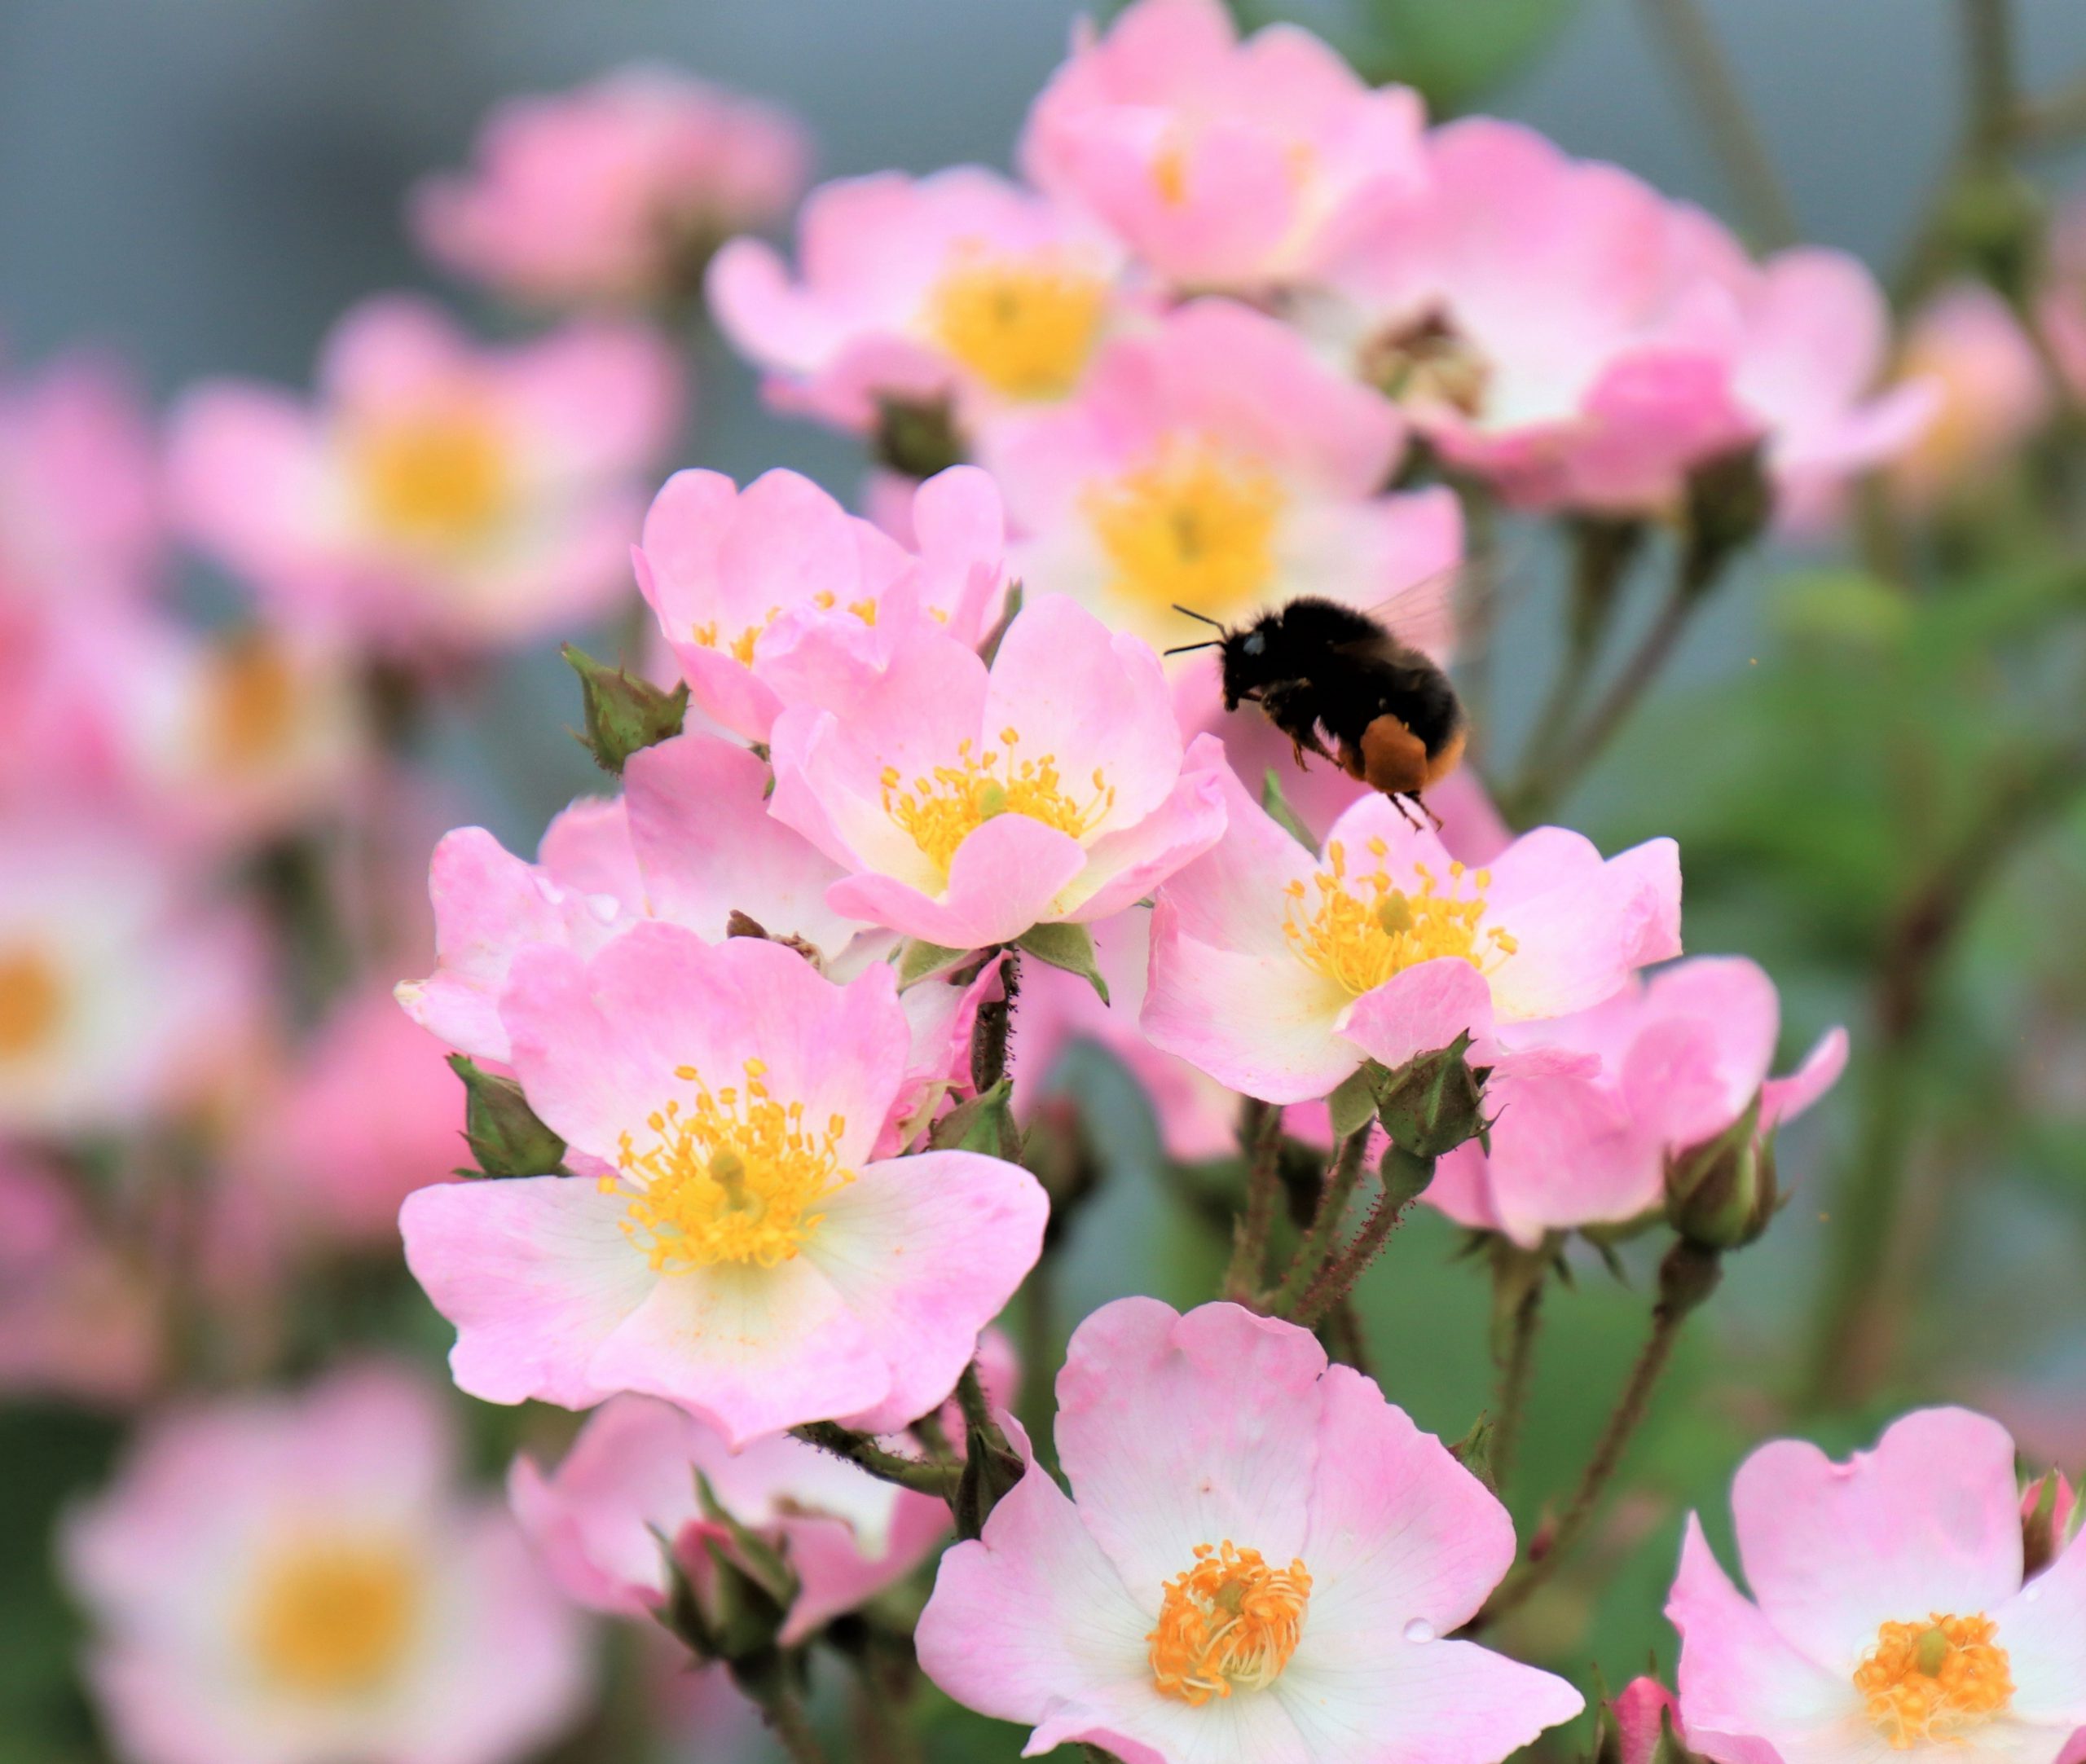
(1454, 51)
(1354, 1101)
(501, 1129)
(1279, 810)
(1069, 946)
(919, 961)
(623, 713)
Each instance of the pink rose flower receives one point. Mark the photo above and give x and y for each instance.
(1219, 163)
(1583, 1137)
(1277, 970)
(1220, 1465)
(971, 803)
(1215, 463)
(1992, 392)
(435, 495)
(1888, 1615)
(958, 286)
(743, 1252)
(612, 191)
(773, 592)
(297, 1580)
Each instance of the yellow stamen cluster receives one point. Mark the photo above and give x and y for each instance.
(1025, 326)
(1193, 526)
(1229, 1623)
(441, 480)
(1933, 1681)
(733, 1177)
(742, 647)
(31, 1000)
(251, 705)
(941, 811)
(1363, 930)
(333, 1618)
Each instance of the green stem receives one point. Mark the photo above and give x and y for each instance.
(1687, 1278)
(783, 1710)
(1405, 1178)
(923, 1475)
(1260, 1134)
(1735, 138)
(1516, 1367)
(1990, 111)
(1317, 1246)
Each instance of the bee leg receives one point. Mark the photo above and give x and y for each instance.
(1419, 803)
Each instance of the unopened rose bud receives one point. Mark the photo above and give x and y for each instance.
(622, 712)
(500, 1127)
(918, 439)
(1641, 1726)
(730, 1589)
(1721, 1194)
(2050, 1511)
(1730, 501)
(1434, 1103)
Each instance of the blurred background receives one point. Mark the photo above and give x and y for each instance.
(199, 188)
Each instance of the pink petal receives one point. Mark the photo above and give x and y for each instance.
(1782, 1099)
(2042, 1629)
(1448, 1702)
(1421, 1009)
(1005, 877)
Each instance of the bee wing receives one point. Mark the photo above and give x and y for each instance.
(1442, 614)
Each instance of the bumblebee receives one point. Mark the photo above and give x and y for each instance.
(1323, 672)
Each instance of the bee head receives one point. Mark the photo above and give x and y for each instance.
(1245, 658)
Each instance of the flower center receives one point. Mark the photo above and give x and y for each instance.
(251, 705)
(31, 1000)
(741, 648)
(1192, 526)
(1230, 1622)
(940, 812)
(1025, 326)
(1934, 1680)
(1363, 930)
(333, 1618)
(1427, 363)
(733, 1177)
(441, 479)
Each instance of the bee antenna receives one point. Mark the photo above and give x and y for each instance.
(1182, 648)
(1192, 613)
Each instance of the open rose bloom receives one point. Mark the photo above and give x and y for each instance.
(435, 495)
(732, 1244)
(1261, 1560)
(1888, 1614)
(298, 1580)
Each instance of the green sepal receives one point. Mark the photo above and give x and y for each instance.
(1069, 946)
(921, 961)
(983, 1123)
(1275, 804)
(1353, 1103)
(989, 649)
(623, 713)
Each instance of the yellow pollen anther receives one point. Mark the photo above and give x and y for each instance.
(940, 812)
(733, 1177)
(1933, 1681)
(1363, 930)
(1193, 526)
(1229, 1623)
(31, 1000)
(1024, 325)
(439, 479)
(334, 1618)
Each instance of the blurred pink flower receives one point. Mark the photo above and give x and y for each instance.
(603, 1521)
(1887, 1614)
(1277, 970)
(367, 1112)
(1218, 1462)
(79, 1319)
(774, 592)
(300, 1579)
(960, 286)
(1590, 1107)
(1215, 463)
(971, 803)
(615, 191)
(741, 1254)
(1219, 163)
(436, 495)
(1991, 390)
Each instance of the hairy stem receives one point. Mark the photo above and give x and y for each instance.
(1405, 1178)
(923, 1475)
(1260, 1136)
(1516, 1365)
(1313, 1253)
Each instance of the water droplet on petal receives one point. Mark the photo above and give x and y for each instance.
(1419, 1630)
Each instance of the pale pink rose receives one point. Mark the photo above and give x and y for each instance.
(772, 592)
(2062, 307)
(1218, 1462)
(1544, 321)
(612, 191)
(300, 1579)
(1887, 1617)
(1993, 392)
(1640, 1712)
(1220, 163)
(367, 1112)
(1583, 1137)
(971, 803)
(1216, 463)
(124, 991)
(1277, 970)
(79, 1318)
(435, 495)
(958, 286)
(742, 1254)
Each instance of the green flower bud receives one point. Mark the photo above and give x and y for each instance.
(1721, 1194)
